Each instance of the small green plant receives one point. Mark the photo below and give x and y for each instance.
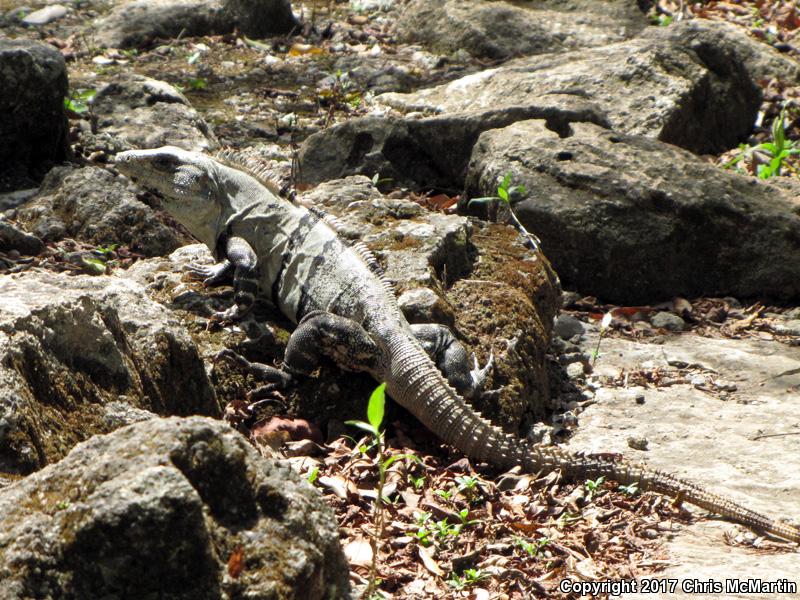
(777, 151)
(467, 578)
(446, 495)
(532, 547)
(468, 487)
(463, 514)
(375, 411)
(78, 100)
(629, 490)
(568, 518)
(106, 250)
(593, 486)
(661, 20)
(504, 193)
(604, 325)
(313, 473)
(423, 533)
(63, 505)
(198, 83)
(417, 482)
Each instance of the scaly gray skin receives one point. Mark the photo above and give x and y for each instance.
(346, 311)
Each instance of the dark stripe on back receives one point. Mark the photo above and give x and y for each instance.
(296, 238)
(305, 298)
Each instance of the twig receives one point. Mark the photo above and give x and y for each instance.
(769, 435)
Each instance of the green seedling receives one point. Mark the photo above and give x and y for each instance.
(198, 83)
(777, 151)
(468, 578)
(604, 325)
(313, 473)
(417, 482)
(504, 193)
(375, 412)
(629, 490)
(593, 486)
(78, 100)
(532, 547)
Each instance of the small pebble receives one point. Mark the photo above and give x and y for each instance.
(45, 15)
(668, 321)
(638, 443)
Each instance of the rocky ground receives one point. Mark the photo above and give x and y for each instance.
(652, 147)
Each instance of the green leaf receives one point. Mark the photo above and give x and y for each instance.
(769, 147)
(364, 426)
(377, 401)
(506, 181)
(392, 459)
(503, 194)
(483, 200)
(94, 265)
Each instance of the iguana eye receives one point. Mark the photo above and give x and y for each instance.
(163, 163)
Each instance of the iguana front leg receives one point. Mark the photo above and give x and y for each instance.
(451, 359)
(319, 335)
(242, 258)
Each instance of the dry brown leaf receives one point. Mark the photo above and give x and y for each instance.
(236, 562)
(358, 552)
(428, 562)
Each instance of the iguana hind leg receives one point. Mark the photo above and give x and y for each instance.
(319, 335)
(451, 359)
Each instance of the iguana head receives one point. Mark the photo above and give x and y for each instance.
(189, 183)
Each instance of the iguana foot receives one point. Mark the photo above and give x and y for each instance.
(451, 359)
(210, 274)
(278, 378)
(478, 375)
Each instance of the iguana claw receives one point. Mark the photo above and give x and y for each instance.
(479, 374)
(210, 274)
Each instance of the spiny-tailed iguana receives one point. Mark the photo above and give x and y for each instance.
(346, 311)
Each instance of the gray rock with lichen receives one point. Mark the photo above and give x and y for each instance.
(158, 509)
(139, 22)
(71, 348)
(91, 205)
(33, 126)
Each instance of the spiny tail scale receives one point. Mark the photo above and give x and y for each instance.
(414, 382)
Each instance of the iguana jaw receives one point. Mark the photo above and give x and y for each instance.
(186, 181)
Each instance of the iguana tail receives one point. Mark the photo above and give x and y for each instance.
(414, 381)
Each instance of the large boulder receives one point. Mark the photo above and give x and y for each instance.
(499, 30)
(160, 510)
(147, 113)
(33, 126)
(92, 205)
(72, 348)
(632, 220)
(431, 151)
(139, 22)
(692, 84)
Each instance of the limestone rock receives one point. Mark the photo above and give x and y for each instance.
(499, 30)
(692, 84)
(157, 509)
(426, 152)
(71, 347)
(33, 127)
(140, 22)
(92, 205)
(147, 113)
(633, 220)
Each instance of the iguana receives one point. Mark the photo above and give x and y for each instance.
(346, 310)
